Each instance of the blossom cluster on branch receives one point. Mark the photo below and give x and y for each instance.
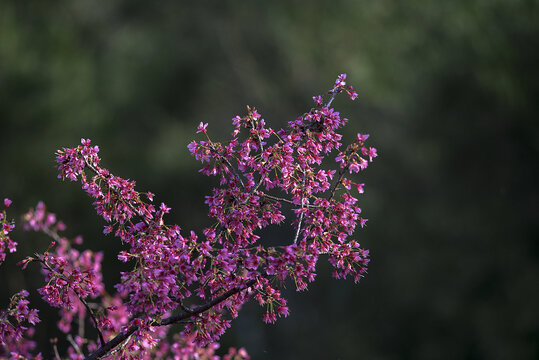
(6, 226)
(200, 281)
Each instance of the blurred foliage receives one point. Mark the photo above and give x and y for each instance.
(448, 91)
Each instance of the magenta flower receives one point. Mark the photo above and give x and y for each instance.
(362, 137)
(351, 94)
(202, 127)
(341, 80)
(372, 153)
(255, 114)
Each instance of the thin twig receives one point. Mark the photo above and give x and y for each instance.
(301, 214)
(333, 93)
(234, 171)
(81, 325)
(232, 168)
(334, 187)
(258, 137)
(54, 341)
(276, 198)
(74, 344)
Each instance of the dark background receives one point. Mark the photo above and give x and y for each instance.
(448, 91)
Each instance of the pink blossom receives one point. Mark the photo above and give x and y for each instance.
(362, 137)
(341, 80)
(202, 127)
(372, 153)
(352, 94)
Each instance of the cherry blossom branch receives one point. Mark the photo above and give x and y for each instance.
(234, 171)
(180, 267)
(123, 336)
(81, 299)
(232, 168)
(257, 136)
(128, 203)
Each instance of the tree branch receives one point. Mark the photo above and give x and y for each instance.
(121, 337)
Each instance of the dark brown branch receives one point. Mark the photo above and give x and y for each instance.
(204, 307)
(92, 316)
(105, 349)
(120, 338)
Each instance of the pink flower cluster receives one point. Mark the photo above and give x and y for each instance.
(16, 329)
(6, 227)
(266, 177)
(74, 284)
(71, 276)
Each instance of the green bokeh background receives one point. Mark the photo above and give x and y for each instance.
(448, 91)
